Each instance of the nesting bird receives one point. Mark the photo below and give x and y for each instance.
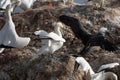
(52, 41)
(4, 3)
(26, 4)
(8, 34)
(91, 75)
(88, 39)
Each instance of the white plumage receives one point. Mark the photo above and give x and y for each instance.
(103, 76)
(41, 33)
(4, 3)
(52, 41)
(8, 35)
(111, 65)
(97, 76)
(26, 4)
(103, 31)
(51, 35)
(14, 4)
(85, 65)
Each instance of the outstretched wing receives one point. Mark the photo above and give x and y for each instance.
(41, 33)
(44, 35)
(76, 27)
(55, 37)
(84, 64)
(111, 65)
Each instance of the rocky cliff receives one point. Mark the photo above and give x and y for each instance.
(15, 65)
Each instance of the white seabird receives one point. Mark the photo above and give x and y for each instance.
(4, 3)
(101, 75)
(8, 34)
(111, 65)
(26, 4)
(85, 65)
(52, 41)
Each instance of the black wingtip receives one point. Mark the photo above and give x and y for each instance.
(2, 10)
(5, 46)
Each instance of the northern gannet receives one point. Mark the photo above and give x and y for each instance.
(52, 41)
(4, 3)
(26, 4)
(8, 35)
(91, 75)
(87, 39)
